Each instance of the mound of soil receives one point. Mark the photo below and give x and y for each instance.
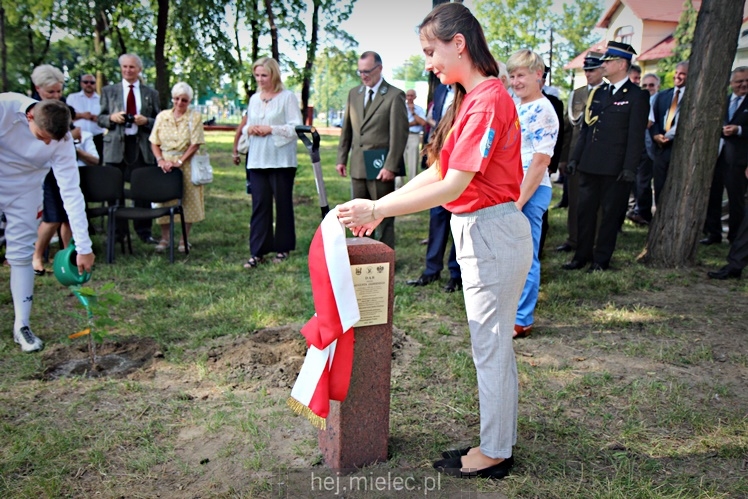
(114, 358)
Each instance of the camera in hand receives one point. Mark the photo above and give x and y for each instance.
(129, 120)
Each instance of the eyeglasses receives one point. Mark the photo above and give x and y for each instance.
(180, 99)
(647, 85)
(367, 72)
(88, 82)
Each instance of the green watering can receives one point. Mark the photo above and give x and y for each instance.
(66, 271)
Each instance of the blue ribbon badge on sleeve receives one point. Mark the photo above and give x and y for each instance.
(486, 142)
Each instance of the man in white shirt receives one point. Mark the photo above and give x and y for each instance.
(87, 105)
(34, 137)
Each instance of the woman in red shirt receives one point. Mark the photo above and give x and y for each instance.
(475, 173)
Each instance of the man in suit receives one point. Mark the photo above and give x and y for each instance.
(593, 72)
(128, 111)
(635, 74)
(375, 118)
(732, 160)
(558, 107)
(606, 156)
(439, 230)
(664, 115)
(737, 258)
(641, 214)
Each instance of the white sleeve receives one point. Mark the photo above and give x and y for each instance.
(88, 145)
(65, 168)
(286, 133)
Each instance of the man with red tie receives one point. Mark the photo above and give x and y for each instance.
(128, 111)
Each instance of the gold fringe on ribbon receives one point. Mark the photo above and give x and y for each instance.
(302, 410)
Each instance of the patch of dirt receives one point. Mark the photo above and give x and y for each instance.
(271, 356)
(114, 358)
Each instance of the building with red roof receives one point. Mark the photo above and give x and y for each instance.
(648, 26)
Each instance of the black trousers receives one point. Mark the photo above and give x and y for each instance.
(272, 187)
(572, 217)
(643, 189)
(603, 194)
(133, 159)
(375, 189)
(98, 141)
(737, 258)
(733, 179)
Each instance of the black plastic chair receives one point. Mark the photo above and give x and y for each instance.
(102, 184)
(152, 185)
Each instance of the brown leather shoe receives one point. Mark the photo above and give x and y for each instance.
(522, 331)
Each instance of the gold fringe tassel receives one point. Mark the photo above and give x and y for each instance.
(302, 410)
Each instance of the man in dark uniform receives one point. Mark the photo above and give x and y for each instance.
(593, 72)
(606, 156)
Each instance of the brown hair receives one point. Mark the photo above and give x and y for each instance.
(443, 23)
(53, 116)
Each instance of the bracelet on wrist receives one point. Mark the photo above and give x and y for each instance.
(373, 208)
(158, 160)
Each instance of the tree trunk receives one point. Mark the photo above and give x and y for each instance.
(162, 72)
(672, 239)
(273, 30)
(100, 29)
(3, 52)
(310, 56)
(251, 87)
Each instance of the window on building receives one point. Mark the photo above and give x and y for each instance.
(624, 34)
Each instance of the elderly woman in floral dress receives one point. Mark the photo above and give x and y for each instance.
(177, 134)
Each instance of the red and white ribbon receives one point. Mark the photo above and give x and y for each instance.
(326, 372)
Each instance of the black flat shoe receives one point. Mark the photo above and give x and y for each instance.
(723, 273)
(149, 240)
(573, 265)
(40, 272)
(709, 240)
(454, 284)
(455, 453)
(453, 467)
(596, 267)
(564, 248)
(424, 280)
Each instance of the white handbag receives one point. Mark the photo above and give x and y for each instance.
(202, 172)
(242, 147)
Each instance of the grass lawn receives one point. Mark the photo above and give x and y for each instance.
(634, 383)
